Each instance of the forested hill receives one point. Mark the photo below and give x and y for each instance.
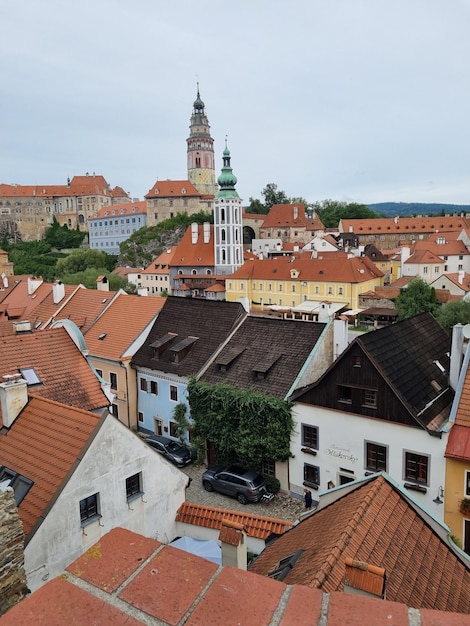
(410, 209)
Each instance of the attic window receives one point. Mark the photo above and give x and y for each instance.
(285, 565)
(181, 349)
(227, 357)
(156, 191)
(19, 484)
(30, 375)
(262, 368)
(183, 190)
(102, 336)
(161, 344)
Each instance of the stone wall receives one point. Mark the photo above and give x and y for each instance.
(12, 574)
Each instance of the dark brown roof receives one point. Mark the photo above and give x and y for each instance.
(265, 354)
(374, 522)
(405, 355)
(207, 323)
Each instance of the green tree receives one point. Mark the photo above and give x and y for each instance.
(256, 207)
(417, 297)
(452, 313)
(88, 277)
(273, 196)
(331, 212)
(81, 260)
(61, 237)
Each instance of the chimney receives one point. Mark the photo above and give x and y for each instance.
(13, 397)
(33, 284)
(58, 291)
(194, 233)
(461, 275)
(233, 539)
(340, 334)
(296, 212)
(207, 232)
(22, 327)
(102, 283)
(456, 354)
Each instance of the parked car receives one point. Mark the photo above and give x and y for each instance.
(243, 484)
(173, 451)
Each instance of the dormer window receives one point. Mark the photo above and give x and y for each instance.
(294, 273)
(181, 349)
(183, 191)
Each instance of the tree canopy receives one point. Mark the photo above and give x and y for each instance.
(61, 237)
(331, 212)
(452, 313)
(417, 297)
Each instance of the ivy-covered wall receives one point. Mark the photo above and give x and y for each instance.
(242, 424)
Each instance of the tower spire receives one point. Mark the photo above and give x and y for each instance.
(200, 149)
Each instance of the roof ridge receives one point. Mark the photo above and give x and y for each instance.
(213, 509)
(344, 538)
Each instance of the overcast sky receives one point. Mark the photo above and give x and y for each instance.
(354, 100)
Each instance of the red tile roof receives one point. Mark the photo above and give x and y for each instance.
(64, 372)
(125, 579)
(114, 325)
(194, 254)
(332, 269)
(257, 526)
(458, 443)
(161, 264)
(79, 186)
(462, 416)
(84, 306)
(172, 189)
(120, 210)
(424, 256)
(374, 522)
(410, 225)
(42, 444)
(290, 215)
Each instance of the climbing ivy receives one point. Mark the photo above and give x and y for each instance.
(242, 424)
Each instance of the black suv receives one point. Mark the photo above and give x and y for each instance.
(243, 484)
(173, 451)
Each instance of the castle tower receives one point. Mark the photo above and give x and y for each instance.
(201, 164)
(228, 228)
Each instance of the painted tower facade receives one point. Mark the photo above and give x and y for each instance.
(200, 150)
(228, 228)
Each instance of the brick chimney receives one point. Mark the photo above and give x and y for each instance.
(13, 397)
(233, 539)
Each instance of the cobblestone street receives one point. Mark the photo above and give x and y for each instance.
(283, 506)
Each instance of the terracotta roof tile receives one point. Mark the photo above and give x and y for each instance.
(42, 444)
(120, 210)
(409, 225)
(114, 324)
(462, 416)
(63, 371)
(161, 264)
(287, 215)
(194, 254)
(332, 269)
(374, 523)
(458, 443)
(172, 188)
(175, 588)
(84, 306)
(256, 526)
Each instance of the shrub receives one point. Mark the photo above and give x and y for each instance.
(272, 483)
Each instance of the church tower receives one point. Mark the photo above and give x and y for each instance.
(228, 227)
(201, 164)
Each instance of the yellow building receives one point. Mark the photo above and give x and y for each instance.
(289, 281)
(457, 481)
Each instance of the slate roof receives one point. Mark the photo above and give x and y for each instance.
(129, 579)
(257, 526)
(331, 269)
(210, 323)
(266, 354)
(43, 444)
(376, 523)
(121, 323)
(405, 355)
(64, 372)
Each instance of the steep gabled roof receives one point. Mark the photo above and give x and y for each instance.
(199, 254)
(84, 306)
(208, 323)
(63, 371)
(406, 355)
(376, 523)
(120, 210)
(112, 334)
(161, 265)
(265, 354)
(291, 215)
(424, 256)
(42, 445)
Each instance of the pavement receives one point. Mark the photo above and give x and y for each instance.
(283, 506)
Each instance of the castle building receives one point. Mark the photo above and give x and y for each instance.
(200, 150)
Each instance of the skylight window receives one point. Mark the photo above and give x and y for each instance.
(19, 484)
(30, 375)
